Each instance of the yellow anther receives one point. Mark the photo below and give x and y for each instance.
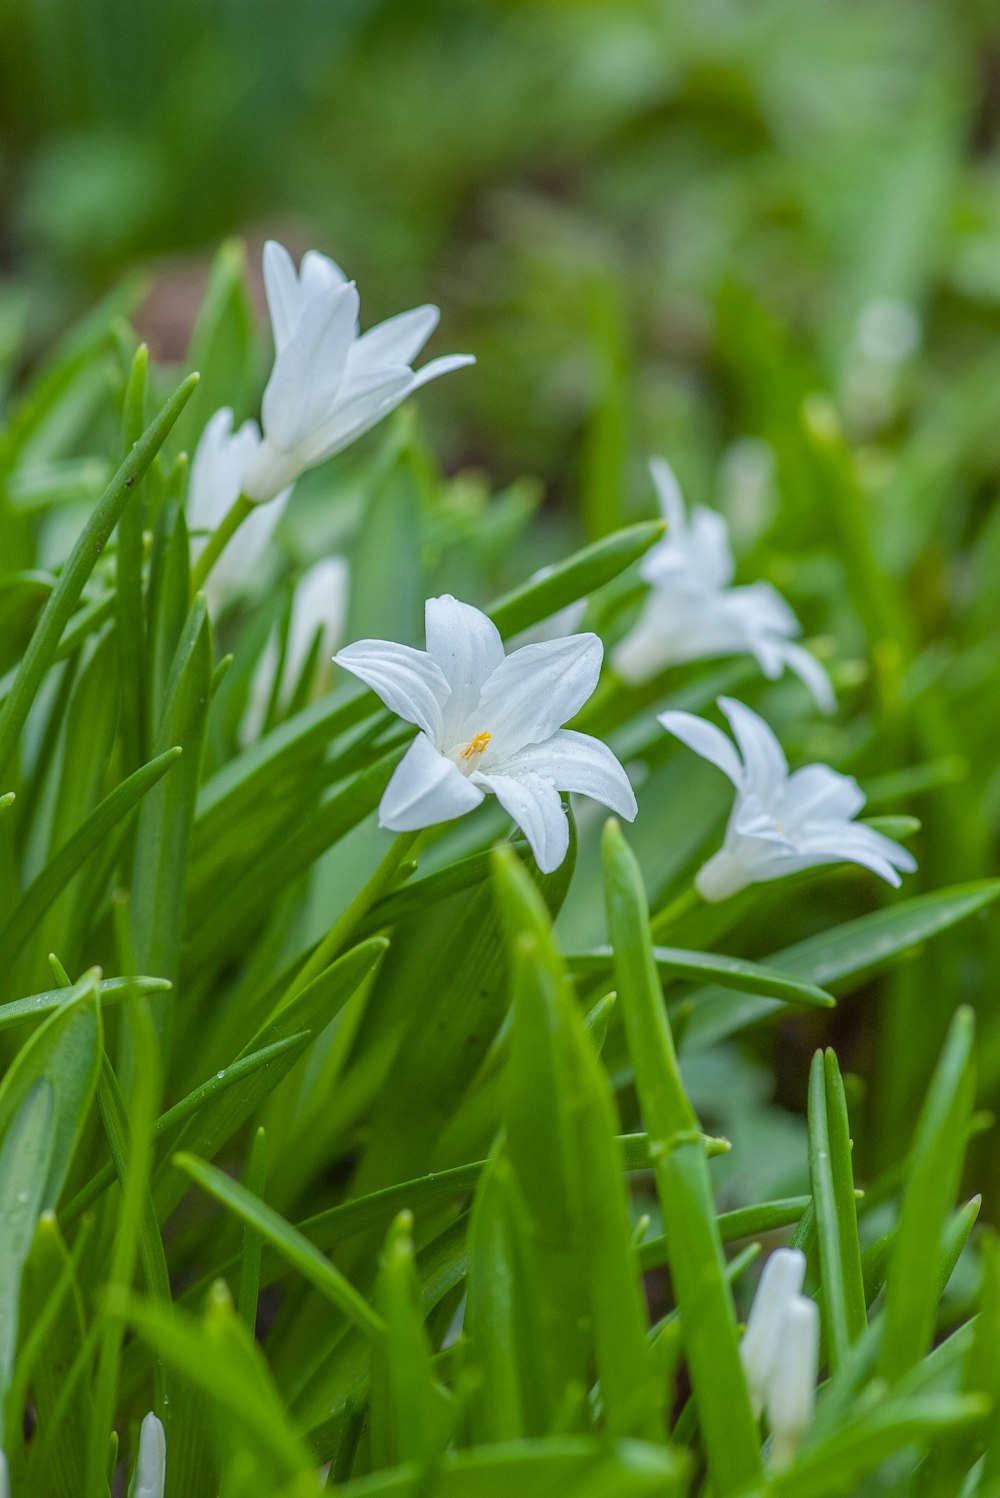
(476, 747)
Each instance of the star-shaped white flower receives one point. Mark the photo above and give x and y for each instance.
(780, 1351)
(781, 823)
(693, 613)
(319, 609)
(218, 473)
(491, 723)
(330, 383)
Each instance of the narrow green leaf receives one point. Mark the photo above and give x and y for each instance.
(73, 854)
(288, 1241)
(840, 958)
(935, 1170)
(130, 633)
(730, 972)
(109, 991)
(697, 1269)
(577, 577)
(85, 554)
(25, 1161)
(256, 1175)
(842, 1293)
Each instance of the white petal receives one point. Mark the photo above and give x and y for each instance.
(468, 648)
(707, 740)
(438, 367)
(668, 492)
(363, 399)
(814, 676)
(398, 340)
(793, 1379)
(577, 762)
(318, 273)
(281, 285)
(151, 1467)
(536, 689)
(426, 788)
(646, 649)
(319, 605)
(309, 369)
(779, 1284)
(852, 842)
(763, 757)
(536, 806)
(817, 791)
(407, 680)
(220, 462)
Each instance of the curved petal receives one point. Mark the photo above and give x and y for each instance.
(281, 286)
(398, 340)
(763, 757)
(364, 397)
(407, 680)
(316, 274)
(707, 740)
(536, 806)
(438, 367)
(466, 645)
(218, 468)
(234, 567)
(426, 788)
(817, 792)
(668, 492)
(536, 689)
(813, 675)
(855, 843)
(576, 762)
(647, 648)
(309, 369)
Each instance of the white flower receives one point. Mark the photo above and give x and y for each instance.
(692, 613)
(319, 608)
(329, 384)
(780, 1351)
(218, 471)
(780, 823)
(151, 1468)
(491, 722)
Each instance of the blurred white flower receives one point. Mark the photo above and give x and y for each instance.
(330, 383)
(319, 607)
(151, 1467)
(4, 1476)
(888, 330)
(780, 823)
(218, 472)
(491, 723)
(693, 613)
(780, 1352)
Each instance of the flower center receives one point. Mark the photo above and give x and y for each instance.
(468, 755)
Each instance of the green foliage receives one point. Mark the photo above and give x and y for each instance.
(397, 1167)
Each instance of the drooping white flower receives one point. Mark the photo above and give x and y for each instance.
(781, 823)
(490, 723)
(218, 473)
(693, 613)
(151, 1467)
(780, 1351)
(319, 608)
(330, 383)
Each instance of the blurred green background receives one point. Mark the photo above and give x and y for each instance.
(761, 238)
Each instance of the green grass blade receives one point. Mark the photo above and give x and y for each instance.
(842, 1292)
(697, 1270)
(935, 1170)
(57, 612)
(577, 577)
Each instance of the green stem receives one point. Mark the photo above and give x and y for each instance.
(339, 935)
(683, 905)
(218, 541)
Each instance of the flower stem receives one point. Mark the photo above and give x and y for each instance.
(685, 902)
(339, 935)
(218, 541)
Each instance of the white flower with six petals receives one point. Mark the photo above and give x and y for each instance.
(781, 823)
(490, 723)
(693, 613)
(330, 383)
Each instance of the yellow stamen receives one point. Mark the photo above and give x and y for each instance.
(476, 747)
